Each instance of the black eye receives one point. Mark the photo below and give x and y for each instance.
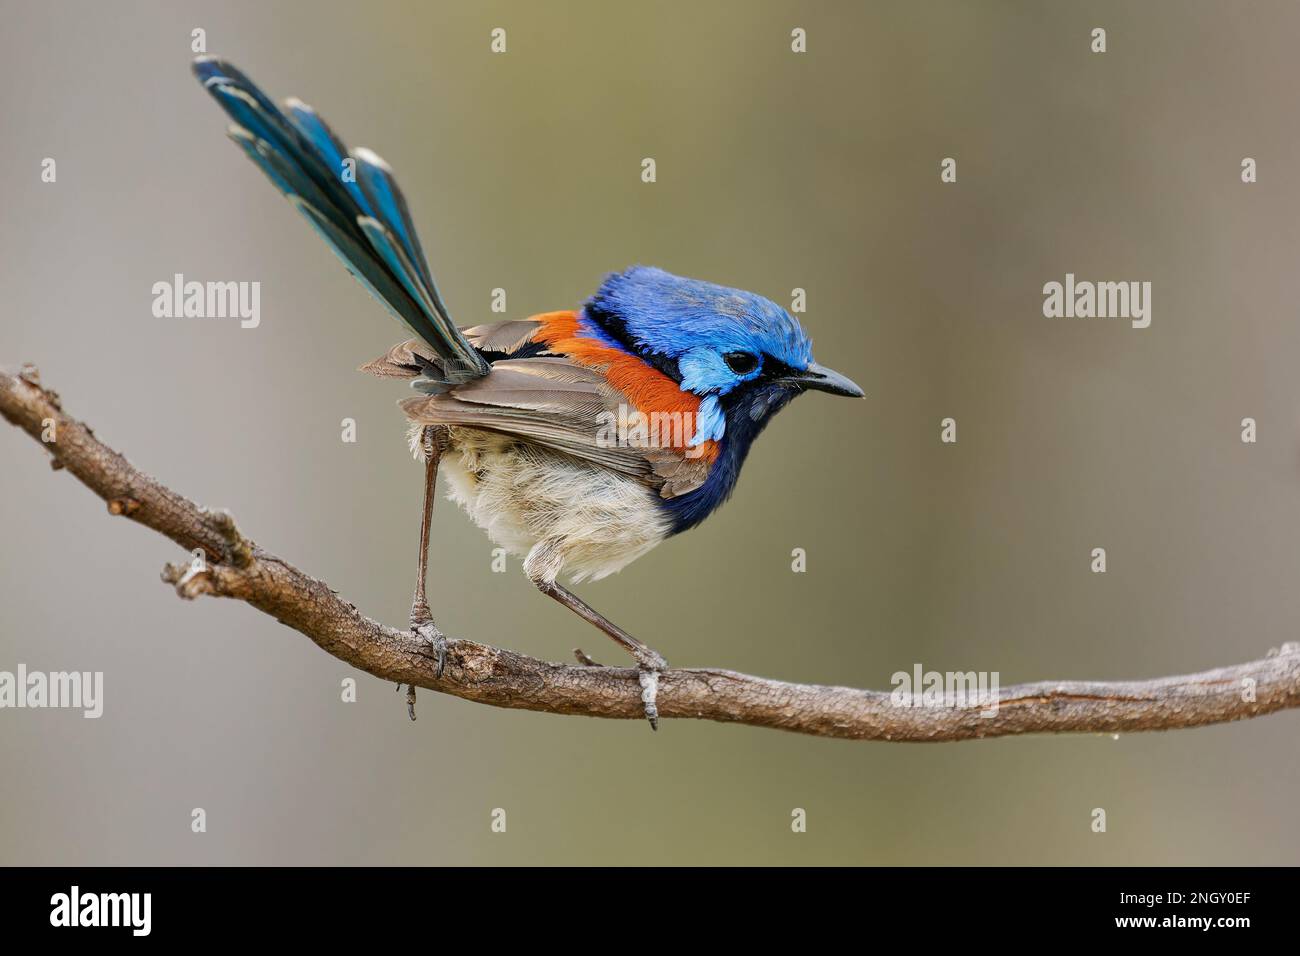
(742, 363)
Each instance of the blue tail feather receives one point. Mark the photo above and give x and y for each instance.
(366, 222)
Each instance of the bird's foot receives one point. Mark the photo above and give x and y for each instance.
(434, 645)
(649, 697)
(651, 664)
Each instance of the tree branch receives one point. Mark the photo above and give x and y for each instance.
(234, 567)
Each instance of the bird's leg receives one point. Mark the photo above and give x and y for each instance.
(651, 662)
(432, 444)
(431, 452)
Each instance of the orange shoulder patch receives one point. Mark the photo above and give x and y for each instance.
(648, 389)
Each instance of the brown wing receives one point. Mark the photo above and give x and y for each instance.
(562, 406)
(547, 400)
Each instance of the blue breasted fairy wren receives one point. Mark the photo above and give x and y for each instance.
(577, 440)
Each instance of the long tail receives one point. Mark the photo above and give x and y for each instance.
(352, 200)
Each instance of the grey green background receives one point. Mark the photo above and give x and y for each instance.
(775, 171)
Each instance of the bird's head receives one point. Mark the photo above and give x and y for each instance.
(742, 354)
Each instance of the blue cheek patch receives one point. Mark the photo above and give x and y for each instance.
(710, 423)
(703, 371)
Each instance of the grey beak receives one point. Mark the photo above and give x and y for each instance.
(827, 380)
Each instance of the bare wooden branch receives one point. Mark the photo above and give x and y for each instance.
(231, 566)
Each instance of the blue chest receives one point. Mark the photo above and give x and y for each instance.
(688, 510)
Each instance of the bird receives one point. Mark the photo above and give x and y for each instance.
(578, 440)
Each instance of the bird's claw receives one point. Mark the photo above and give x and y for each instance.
(649, 695)
(410, 698)
(434, 641)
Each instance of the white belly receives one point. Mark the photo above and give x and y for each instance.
(591, 522)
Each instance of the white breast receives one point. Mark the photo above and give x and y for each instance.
(588, 522)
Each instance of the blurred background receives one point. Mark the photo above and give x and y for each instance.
(776, 170)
